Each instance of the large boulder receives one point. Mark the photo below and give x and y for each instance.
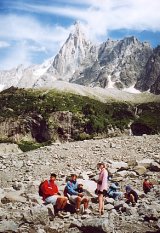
(140, 170)
(119, 165)
(8, 226)
(13, 197)
(97, 226)
(154, 167)
(145, 162)
(37, 215)
(148, 212)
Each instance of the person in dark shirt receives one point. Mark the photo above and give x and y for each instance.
(131, 196)
(80, 188)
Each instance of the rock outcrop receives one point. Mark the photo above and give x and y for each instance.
(150, 78)
(37, 116)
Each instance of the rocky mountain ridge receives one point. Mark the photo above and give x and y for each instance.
(120, 64)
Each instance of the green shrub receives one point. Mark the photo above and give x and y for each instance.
(27, 146)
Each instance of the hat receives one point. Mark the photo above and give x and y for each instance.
(128, 188)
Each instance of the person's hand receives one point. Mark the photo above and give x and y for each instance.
(80, 195)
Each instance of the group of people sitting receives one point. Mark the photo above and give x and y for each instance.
(74, 192)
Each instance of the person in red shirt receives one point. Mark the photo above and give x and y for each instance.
(51, 195)
(147, 185)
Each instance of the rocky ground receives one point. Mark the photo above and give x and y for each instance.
(129, 159)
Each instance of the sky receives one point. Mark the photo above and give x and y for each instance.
(31, 31)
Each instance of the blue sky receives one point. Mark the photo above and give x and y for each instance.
(32, 31)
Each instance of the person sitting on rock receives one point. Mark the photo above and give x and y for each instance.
(131, 196)
(75, 195)
(51, 195)
(147, 185)
(113, 191)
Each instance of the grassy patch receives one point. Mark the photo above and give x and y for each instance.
(27, 146)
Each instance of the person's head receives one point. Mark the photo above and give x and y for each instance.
(73, 177)
(128, 189)
(53, 176)
(146, 178)
(80, 186)
(116, 183)
(100, 165)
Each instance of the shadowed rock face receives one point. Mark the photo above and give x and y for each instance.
(150, 78)
(139, 129)
(40, 116)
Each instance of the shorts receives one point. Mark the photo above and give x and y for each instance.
(104, 192)
(73, 198)
(52, 199)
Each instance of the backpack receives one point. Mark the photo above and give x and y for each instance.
(65, 192)
(40, 189)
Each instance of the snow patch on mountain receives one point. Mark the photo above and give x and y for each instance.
(110, 82)
(131, 89)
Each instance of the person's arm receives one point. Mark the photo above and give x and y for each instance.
(70, 189)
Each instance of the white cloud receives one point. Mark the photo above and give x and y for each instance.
(28, 36)
(16, 56)
(96, 16)
(4, 44)
(99, 16)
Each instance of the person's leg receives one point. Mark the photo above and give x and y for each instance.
(85, 201)
(64, 202)
(132, 199)
(78, 203)
(59, 203)
(101, 203)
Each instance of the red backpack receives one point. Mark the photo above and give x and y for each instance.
(40, 189)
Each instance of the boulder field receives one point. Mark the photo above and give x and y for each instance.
(129, 159)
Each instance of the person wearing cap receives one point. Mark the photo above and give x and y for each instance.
(102, 186)
(131, 195)
(76, 195)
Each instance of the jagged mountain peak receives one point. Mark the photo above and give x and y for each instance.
(112, 64)
(72, 54)
(76, 38)
(77, 30)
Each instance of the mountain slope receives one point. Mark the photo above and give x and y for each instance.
(122, 64)
(150, 78)
(29, 116)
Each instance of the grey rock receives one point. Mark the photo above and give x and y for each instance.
(154, 167)
(8, 226)
(97, 226)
